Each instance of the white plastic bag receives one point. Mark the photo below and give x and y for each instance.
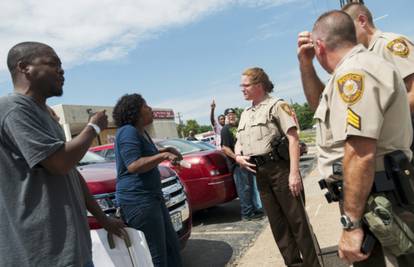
(136, 255)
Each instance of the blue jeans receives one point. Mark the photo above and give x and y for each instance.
(153, 219)
(89, 264)
(256, 195)
(244, 186)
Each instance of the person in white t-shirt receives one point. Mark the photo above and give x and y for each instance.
(217, 125)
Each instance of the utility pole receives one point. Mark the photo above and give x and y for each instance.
(344, 2)
(180, 122)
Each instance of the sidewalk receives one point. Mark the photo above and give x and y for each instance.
(324, 218)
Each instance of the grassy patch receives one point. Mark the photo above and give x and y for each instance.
(308, 136)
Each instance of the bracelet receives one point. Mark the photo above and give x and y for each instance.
(94, 127)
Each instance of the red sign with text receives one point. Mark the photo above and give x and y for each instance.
(163, 114)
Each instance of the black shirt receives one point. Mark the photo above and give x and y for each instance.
(228, 139)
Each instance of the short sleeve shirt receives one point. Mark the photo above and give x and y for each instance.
(44, 219)
(228, 139)
(217, 131)
(365, 97)
(260, 124)
(396, 49)
(131, 188)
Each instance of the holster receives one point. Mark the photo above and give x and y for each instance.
(333, 184)
(399, 169)
(280, 147)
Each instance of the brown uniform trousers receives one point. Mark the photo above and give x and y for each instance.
(287, 215)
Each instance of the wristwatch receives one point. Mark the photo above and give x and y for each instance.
(347, 224)
(95, 127)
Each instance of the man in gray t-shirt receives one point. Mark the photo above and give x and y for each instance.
(43, 199)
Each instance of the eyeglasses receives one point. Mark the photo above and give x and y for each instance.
(247, 85)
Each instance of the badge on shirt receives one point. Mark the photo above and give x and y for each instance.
(353, 119)
(399, 47)
(351, 87)
(286, 108)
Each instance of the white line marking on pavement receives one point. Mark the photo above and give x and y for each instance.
(317, 210)
(223, 233)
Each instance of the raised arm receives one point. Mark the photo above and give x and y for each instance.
(312, 85)
(212, 119)
(65, 158)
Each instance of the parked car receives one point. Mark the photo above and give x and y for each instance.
(208, 181)
(100, 176)
(205, 145)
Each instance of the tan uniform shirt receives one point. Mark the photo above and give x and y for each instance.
(257, 126)
(364, 97)
(396, 49)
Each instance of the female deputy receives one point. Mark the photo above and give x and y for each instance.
(278, 178)
(138, 186)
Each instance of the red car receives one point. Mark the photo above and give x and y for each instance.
(209, 181)
(100, 176)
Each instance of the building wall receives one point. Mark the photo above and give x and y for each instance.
(74, 118)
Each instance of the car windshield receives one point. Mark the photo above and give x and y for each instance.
(183, 146)
(204, 145)
(91, 158)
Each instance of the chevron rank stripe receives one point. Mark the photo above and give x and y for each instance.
(353, 119)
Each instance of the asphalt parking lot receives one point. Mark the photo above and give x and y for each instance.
(219, 237)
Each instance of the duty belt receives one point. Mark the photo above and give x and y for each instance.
(261, 160)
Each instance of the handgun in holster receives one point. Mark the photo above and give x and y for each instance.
(400, 174)
(335, 194)
(280, 147)
(333, 186)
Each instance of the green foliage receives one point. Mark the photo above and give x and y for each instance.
(184, 129)
(308, 136)
(205, 128)
(238, 112)
(304, 115)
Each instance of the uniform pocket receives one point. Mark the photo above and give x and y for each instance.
(260, 127)
(323, 130)
(241, 132)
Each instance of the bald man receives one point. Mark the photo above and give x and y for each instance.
(357, 126)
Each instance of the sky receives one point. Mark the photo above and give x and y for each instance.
(177, 54)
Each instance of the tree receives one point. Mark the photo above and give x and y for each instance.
(304, 115)
(191, 125)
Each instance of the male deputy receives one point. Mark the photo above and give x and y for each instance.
(43, 199)
(363, 114)
(394, 48)
(278, 179)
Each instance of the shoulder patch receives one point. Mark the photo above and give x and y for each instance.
(351, 87)
(286, 108)
(353, 119)
(399, 47)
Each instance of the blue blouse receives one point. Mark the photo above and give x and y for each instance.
(133, 188)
